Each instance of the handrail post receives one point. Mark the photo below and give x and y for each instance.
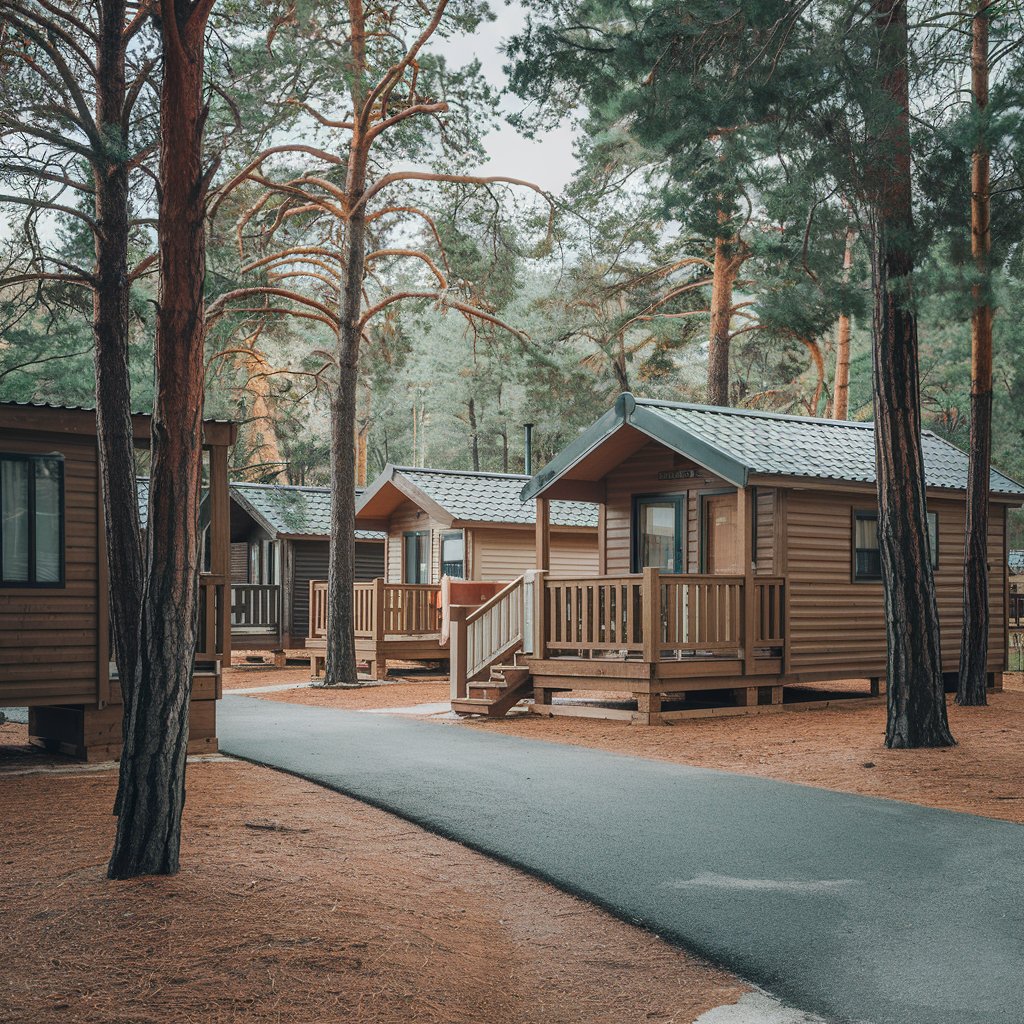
(650, 603)
(745, 518)
(457, 650)
(540, 613)
(378, 608)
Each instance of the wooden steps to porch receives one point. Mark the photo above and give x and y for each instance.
(496, 696)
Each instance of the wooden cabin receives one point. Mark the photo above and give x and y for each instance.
(446, 523)
(738, 553)
(280, 541)
(55, 654)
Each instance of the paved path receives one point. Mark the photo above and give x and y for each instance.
(853, 908)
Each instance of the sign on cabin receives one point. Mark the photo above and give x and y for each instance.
(678, 474)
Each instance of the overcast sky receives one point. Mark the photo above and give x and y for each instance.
(547, 160)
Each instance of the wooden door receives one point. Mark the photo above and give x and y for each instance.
(722, 548)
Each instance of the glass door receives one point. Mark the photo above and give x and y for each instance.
(417, 557)
(659, 532)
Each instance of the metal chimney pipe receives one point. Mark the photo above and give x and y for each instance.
(528, 449)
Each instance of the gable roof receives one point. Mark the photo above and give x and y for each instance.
(1015, 560)
(461, 496)
(736, 444)
(291, 511)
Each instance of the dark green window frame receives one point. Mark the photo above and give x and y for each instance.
(867, 560)
(33, 462)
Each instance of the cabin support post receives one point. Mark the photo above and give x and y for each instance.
(648, 709)
(745, 519)
(543, 529)
(650, 604)
(280, 659)
(458, 663)
(540, 614)
(220, 551)
(878, 687)
(378, 661)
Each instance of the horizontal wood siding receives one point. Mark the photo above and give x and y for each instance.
(240, 562)
(405, 518)
(369, 560)
(837, 626)
(764, 551)
(639, 475)
(48, 635)
(573, 554)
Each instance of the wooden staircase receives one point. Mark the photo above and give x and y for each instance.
(487, 677)
(495, 696)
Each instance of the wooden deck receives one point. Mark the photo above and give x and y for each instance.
(393, 622)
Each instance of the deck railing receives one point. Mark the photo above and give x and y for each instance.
(211, 641)
(658, 616)
(382, 609)
(481, 637)
(256, 608)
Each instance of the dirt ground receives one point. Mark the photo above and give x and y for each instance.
(336, 912)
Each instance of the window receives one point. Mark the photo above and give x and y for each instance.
(31, 520)
(417, 556)
(453, 554)
(658, 524)
(867, 558)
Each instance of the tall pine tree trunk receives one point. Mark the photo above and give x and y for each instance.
(724, 271)
(841, 390)
(974, 643)
(153, 763)
(110, 332)
(340, 667)
(916, 700)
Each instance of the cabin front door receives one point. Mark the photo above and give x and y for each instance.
(722, 554)
(659, 525)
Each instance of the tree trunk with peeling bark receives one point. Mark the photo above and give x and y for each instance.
(973, 677)
(724, 272)
(340, 663)
(111, 292)
(916, 698)
(841, 390)
(153, 763)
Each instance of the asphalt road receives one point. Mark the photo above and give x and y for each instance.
(853, 908)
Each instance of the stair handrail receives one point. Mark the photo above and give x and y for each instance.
(471, 651)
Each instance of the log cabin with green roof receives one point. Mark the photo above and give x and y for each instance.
(453, 537)
(280, 543)
(738, 554)
(55, 651)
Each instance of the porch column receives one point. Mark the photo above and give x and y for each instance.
(220, 547)
(457, 662)
(745, 518)
(543, 534)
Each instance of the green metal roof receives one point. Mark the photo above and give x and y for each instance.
(485, 497)
(286, 510)
(738, 443)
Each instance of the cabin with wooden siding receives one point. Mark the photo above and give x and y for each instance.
(55, 653)
(738, 553)
(280, 542)
(462, 526)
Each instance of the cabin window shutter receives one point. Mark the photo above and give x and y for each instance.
(31, 520)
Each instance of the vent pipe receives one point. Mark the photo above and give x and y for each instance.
(528, 449)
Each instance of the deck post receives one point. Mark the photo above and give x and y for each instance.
(745, 518)
(543, 532)
(540, 614)
(457, 654)
(650, 603)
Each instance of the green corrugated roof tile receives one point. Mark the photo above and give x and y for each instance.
(292, 510)
(492, 498)
(735, 443)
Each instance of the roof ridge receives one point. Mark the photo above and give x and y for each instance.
(281, 487)
(755, 413)
(460, 472)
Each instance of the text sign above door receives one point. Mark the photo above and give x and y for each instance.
(678, 474)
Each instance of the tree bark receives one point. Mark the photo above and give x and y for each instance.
(841, 390)
(474, 435)
(916, 700)
(153, 763)
(340, 667)
(116, 448)
(973, 676)
(724, 271)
